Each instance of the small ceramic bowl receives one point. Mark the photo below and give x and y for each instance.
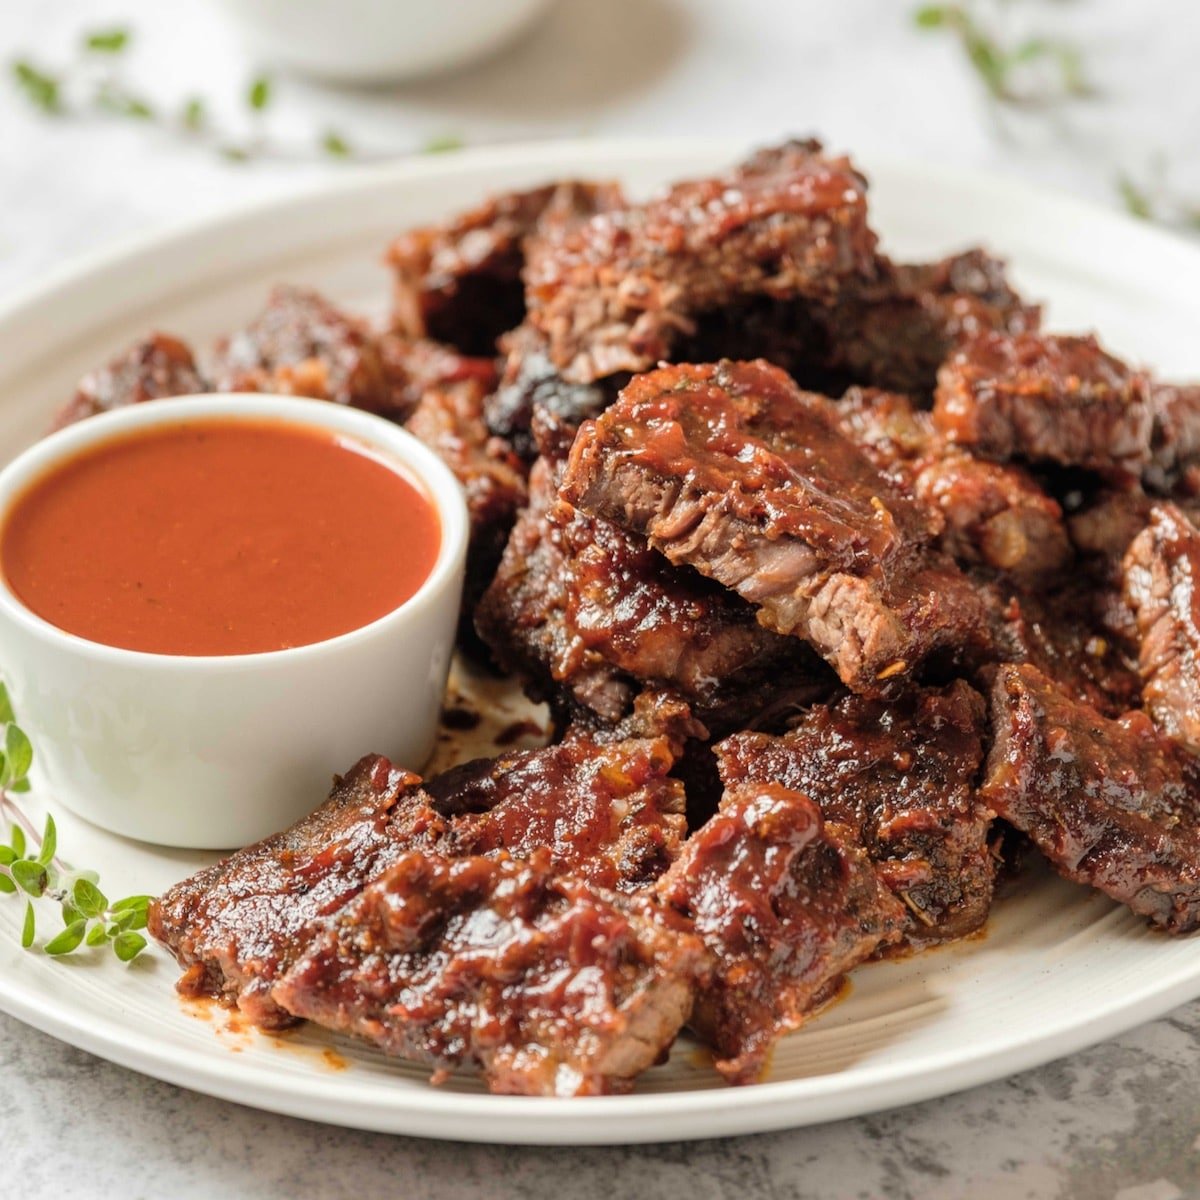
(215, 752)
(379, 41)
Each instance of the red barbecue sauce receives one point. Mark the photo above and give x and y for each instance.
(219, 536)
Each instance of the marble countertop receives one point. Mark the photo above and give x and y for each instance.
(1118, 1122)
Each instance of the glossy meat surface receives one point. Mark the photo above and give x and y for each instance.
(237, 926)
(730, 469)
(1162, 574)
(531, 382)
(1175, 439)
(1045, 398)
(153, 368)
(521, 616)
(993, 514)
(1071, 634)
(606, 809)
(549, 985)
(667, 626)
(302, 345)
(1110, 803)
(785, 904)
(615, 292)
(448, 418)
(896, 334)
(902, 777)
(460, 281)
(581, 607)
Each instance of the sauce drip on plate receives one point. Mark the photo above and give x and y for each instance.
(219, 536)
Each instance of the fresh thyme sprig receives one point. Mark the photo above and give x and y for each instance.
(30, 867)
(1153, 199)
(93, 86)
(1000, 67)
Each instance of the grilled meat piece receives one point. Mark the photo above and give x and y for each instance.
(587, 614)
(1175, 439)
(416, 366)
(302, 345)
(605, 807)
(460, 281)
(901, 776)
(1045, 398)
(896, 334)
(531, 383)
(551, 986)
(1162, 572)
(153, 368)
(730, 469)
(993, 514)
(670, 627)
(615, 292)
(786, 904)
(602, 805)
(1072, 634)
(521, 616)
(1111, 803)
(1103, 523)
(448, 418)
(235, 927)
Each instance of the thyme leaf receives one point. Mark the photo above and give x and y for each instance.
(999, 66)
(30, 865)
(106, 41)
(40, 89)
(259, 95)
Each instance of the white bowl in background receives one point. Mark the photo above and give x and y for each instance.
(217, 751)
(379, 41)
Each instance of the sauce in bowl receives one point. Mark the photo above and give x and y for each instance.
(219, 536)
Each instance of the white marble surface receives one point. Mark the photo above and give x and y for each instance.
(1119, 1121)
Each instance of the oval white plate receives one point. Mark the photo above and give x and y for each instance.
(1059, 967)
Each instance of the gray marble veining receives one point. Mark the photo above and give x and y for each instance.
(1118, 1122)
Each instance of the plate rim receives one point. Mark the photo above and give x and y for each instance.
(680, 1115)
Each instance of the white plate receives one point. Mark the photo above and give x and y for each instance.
(1059, 967)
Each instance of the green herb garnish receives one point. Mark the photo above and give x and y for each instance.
(997, 65)
(93, 84)
(442, 145)
(259, 95)
(30, 867)
(40, 89)
(106, 41)
(335, 145)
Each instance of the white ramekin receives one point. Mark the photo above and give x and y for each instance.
(379, 41)
(213, 752)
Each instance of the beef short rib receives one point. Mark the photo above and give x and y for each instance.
(896, 333)
(785, 904)
(237, 926)
(1110, 803)
(588, 614)
(993, 514)
(551, 986)
(729, 468)
(615, 292)
(154, 368)
(460, 281)
(902, 777)
(1045, 398)
(1162, 573)
(303, 345)
(605, 808)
